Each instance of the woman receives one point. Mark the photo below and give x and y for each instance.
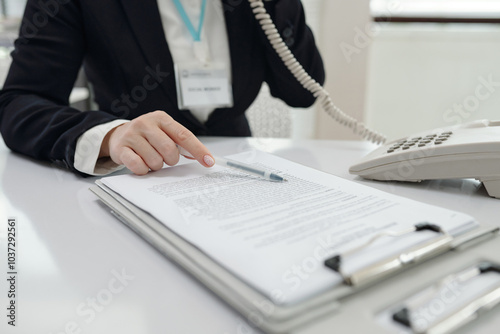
(162, 72)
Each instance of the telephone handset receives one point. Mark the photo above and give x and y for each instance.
(468, 151)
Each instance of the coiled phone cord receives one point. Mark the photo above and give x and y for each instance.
(305, 79)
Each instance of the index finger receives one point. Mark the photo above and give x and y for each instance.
(187, 141)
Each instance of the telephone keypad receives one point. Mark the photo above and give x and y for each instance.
(405, 144)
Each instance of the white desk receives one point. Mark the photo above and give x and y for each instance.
(70, 248)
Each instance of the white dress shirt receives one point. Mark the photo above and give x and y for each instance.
(180, 44)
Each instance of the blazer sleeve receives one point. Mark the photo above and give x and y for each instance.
(289, 18)
(35, 117)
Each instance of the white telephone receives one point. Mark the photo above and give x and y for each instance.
(467, 151)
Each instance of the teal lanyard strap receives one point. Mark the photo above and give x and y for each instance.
(195, 33)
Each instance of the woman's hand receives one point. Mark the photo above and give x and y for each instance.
(151, 139)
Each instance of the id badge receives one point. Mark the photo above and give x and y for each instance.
(203, 87)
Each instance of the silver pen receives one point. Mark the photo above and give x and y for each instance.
(249, 169)
(265, 174)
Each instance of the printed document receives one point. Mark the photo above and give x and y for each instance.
(275, 236)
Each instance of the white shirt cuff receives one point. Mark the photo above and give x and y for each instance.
(88, 147)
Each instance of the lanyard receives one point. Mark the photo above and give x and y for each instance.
(195, 33)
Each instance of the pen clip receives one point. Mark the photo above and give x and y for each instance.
(463, 315)
(388, 266)
(251, 170)
(241, 167)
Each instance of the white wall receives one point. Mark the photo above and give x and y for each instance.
(15, 8)
(304, 120)
(403, 78)
(424, 76)
(344, 46)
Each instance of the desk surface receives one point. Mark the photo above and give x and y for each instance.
(80, 270)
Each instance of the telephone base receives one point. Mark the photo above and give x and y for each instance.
(492, 186)
(464, 151)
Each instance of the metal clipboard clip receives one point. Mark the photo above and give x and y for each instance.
(386, 267)
(463, 315)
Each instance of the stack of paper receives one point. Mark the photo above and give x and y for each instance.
(275, 236)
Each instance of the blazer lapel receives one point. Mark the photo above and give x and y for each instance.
(145, 20)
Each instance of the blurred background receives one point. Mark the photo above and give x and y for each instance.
(12, 7)
(11, 12)
(400, 66)
(410, 65)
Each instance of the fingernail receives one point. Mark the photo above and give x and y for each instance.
(209, 161)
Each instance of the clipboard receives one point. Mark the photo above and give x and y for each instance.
(261, 311)
(449, 304)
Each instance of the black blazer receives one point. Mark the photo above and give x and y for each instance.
(124, 53)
